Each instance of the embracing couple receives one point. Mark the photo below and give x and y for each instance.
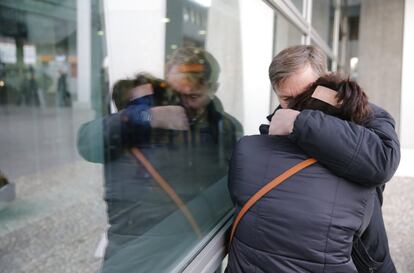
(327, 216)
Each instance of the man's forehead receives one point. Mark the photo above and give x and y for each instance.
(297, 82)
(184, 85)
(289, 87)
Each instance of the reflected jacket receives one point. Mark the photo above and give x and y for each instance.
(190, 161)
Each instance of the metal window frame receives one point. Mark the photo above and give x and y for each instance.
(210, 252)
(290, 12)
(302, 20)
(335, 37)
(316, 38)
(308, 17)
(211, 256)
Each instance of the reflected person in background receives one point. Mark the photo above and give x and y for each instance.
(63, 94)
(29, 88)
(7, 191)
(186, 136)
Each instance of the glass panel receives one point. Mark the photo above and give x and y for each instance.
(322, 19)
(203, 75)
(348, 45)
(329, 60)
(51, 208)
(299, 5)
(170, 140)
(286, 35)
(117, 124)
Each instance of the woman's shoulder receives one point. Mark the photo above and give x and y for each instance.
(263, 148)
(266, 142)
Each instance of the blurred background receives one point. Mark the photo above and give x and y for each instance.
(60, 58)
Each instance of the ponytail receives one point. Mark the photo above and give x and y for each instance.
(354, 101)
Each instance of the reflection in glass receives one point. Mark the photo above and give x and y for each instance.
(54, 217)
(323, 12)
(286, 34)
(151, 177)
(166, 160)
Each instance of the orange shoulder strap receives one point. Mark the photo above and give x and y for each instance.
(268, 187)
(167, 188)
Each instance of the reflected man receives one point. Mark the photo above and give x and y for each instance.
(180, 128)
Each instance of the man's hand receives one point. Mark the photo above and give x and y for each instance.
(282, 122)
(169, 117)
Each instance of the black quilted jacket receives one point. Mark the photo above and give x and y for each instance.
(306, 224)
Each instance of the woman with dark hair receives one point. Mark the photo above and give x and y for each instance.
(308, 222)
(335, 96)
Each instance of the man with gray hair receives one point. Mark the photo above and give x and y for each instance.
(367, 155)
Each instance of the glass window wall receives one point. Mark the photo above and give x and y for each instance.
(52, 213)
(117, 125)
(298, 4)
(322, 19)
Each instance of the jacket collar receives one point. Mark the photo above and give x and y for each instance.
(264, 128)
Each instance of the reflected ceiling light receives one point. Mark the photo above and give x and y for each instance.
(354, 62)
(204, 3)
(60, 58)
(105, 62)
(202, 32)
(100, 32)
(1, 83)
(165, 20)
(173, 46)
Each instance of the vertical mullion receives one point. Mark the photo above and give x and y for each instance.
(304, 14)
(335, 36)
(272, 94)
(308, 18)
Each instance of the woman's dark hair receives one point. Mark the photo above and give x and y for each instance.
(3, 180)
(161, 96)
(353, 102)
(121, 91)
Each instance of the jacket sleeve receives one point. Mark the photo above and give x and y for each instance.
(98, 137)
(106, 138)
(368, 155)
